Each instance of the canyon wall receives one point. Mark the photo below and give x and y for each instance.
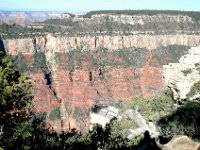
(65, 44)
(28, 17)
(81, 62)
(85, 72)
(181, 76)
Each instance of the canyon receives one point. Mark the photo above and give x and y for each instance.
(26, 18)
(81, 70)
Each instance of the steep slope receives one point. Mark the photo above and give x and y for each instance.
(88, 61)
(181, 76)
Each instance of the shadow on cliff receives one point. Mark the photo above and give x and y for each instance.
(44, 137)
(147, 143)
(101, 138)
(2, 48)
(184, 121)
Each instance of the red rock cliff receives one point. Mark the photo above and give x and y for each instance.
(99, 73)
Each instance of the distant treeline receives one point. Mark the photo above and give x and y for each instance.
(72, 15)
(105, 25)
(194, 14)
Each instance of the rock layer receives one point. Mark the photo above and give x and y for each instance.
(181, 76)
(101, 57)
(65, 44)
(84, 85)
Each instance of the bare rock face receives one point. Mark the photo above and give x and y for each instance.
(86, 85)
(97, 59)
(181, 76)
(142, 19)
(181, 143)
(46, 100)
(142, 124)
(87, 43)
(64, 44)
(93, 70)
(102, 116)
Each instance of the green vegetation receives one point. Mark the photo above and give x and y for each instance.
(106, 25)
(184, 121)
(20, 128)
(62, 22)
(171, 53)
(99, 59)
(15, 104)
(103, 139)
(133, 56)
(55, 114)
(125, 57)
(194, 90)
(172, 120)
(40, 62)
(21, 63)
(14, 31)
(197, 65)
(74, 58)
(81, 115)
(24, 130)
(186, 71)
(194, 15)
(153, 109)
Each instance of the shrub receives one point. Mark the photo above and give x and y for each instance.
(20, 63)
(152, 108)
(186, 71)
(55, 114)
(184, 121)
(194, 90)
(40, 62)
(170, 53)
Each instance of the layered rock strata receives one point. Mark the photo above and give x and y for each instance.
(51, 44)
(98, 73)
(100, 57)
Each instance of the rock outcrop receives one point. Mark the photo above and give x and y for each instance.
(99, 59)
(102, 116)
(181, 76)
(91, 76)
(142, 125)
(181, 143)
(51, 44)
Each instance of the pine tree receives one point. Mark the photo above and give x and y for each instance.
(15, 104)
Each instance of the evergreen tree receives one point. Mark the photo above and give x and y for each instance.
(15, 105)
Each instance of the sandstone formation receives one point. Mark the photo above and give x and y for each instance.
(181, 143)
(50, 44)
(99, 59)
(181, 76)
(84, 85)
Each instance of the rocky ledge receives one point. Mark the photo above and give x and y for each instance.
(181, 76)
